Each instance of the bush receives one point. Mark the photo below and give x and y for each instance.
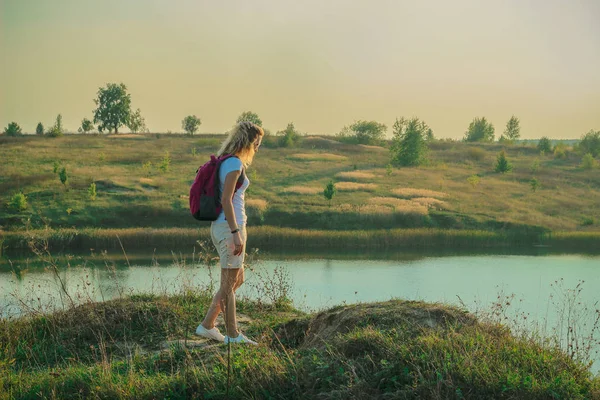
(92, 191)
(18, 202)
(57, 129)
(364, 132)
(534, 184)
(560, 151)
(544, 145)
(39, 129)
(288, 137)
(502, 164)
(535, 165)
(588, 161)
(587, 221)
(86, 126)
(329, 191)
(13, 129)
(476, 153)
(590, 143)
(474, 180)
(480, 130)
(62, 174)
(165, 163)
(136, 122)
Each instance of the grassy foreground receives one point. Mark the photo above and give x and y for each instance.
(140, 347)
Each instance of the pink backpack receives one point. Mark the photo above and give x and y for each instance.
(205, 194)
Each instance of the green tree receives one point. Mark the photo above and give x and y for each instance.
(250, 116)
(86, 126)
(136, 122)
(113, 107)
(429, 136)
(190, 124)
(590, 143)
(62, 174)
(39, 129)
(289, 137)
(13, 129)
(502, 164)
(329, 191)
(512, 131)
(92, 191)
(534, 184)
(57, 129)
(165, 163)
(544, 145)
(366, 132)
(409, 147)
(480, 130)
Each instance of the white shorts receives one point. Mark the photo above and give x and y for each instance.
(223, 240)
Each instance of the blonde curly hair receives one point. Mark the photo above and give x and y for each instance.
(241, 140)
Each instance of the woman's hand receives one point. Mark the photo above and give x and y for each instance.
(238, 244)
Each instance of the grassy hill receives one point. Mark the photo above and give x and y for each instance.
(287, 184)
(140, 347)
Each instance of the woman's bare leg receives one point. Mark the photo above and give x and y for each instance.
(224, 299)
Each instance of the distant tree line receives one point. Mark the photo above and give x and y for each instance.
(408, 145)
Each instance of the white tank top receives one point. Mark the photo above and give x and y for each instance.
(239, 206)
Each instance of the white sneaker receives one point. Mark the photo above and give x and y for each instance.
(212, 333)
(241, 338)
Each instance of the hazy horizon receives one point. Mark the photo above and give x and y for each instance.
(321, 65)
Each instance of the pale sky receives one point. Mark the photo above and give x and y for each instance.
(320, 64)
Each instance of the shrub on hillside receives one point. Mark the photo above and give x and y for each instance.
(57, 129)
(289, 137)
(329, 191)
(590, 143)
(86, 126)
(13, 129)
(560, 151)
(409, 147)
(502, 164)
(18, 202)
(480, 130)
(39, 129)
(476, 153)
(588, 161)
(363, 132)
(544, 145)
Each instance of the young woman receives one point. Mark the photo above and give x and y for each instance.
(229, 230)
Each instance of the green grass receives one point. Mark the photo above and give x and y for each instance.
(395, 349)
(131, 196)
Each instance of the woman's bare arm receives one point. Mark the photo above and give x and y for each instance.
(226, 200)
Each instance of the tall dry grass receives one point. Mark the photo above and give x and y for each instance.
(414, 192)
(302, 190)
(353, 187)
(317, 157)
(355, 175)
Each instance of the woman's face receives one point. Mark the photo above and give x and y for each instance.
(256, 144)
